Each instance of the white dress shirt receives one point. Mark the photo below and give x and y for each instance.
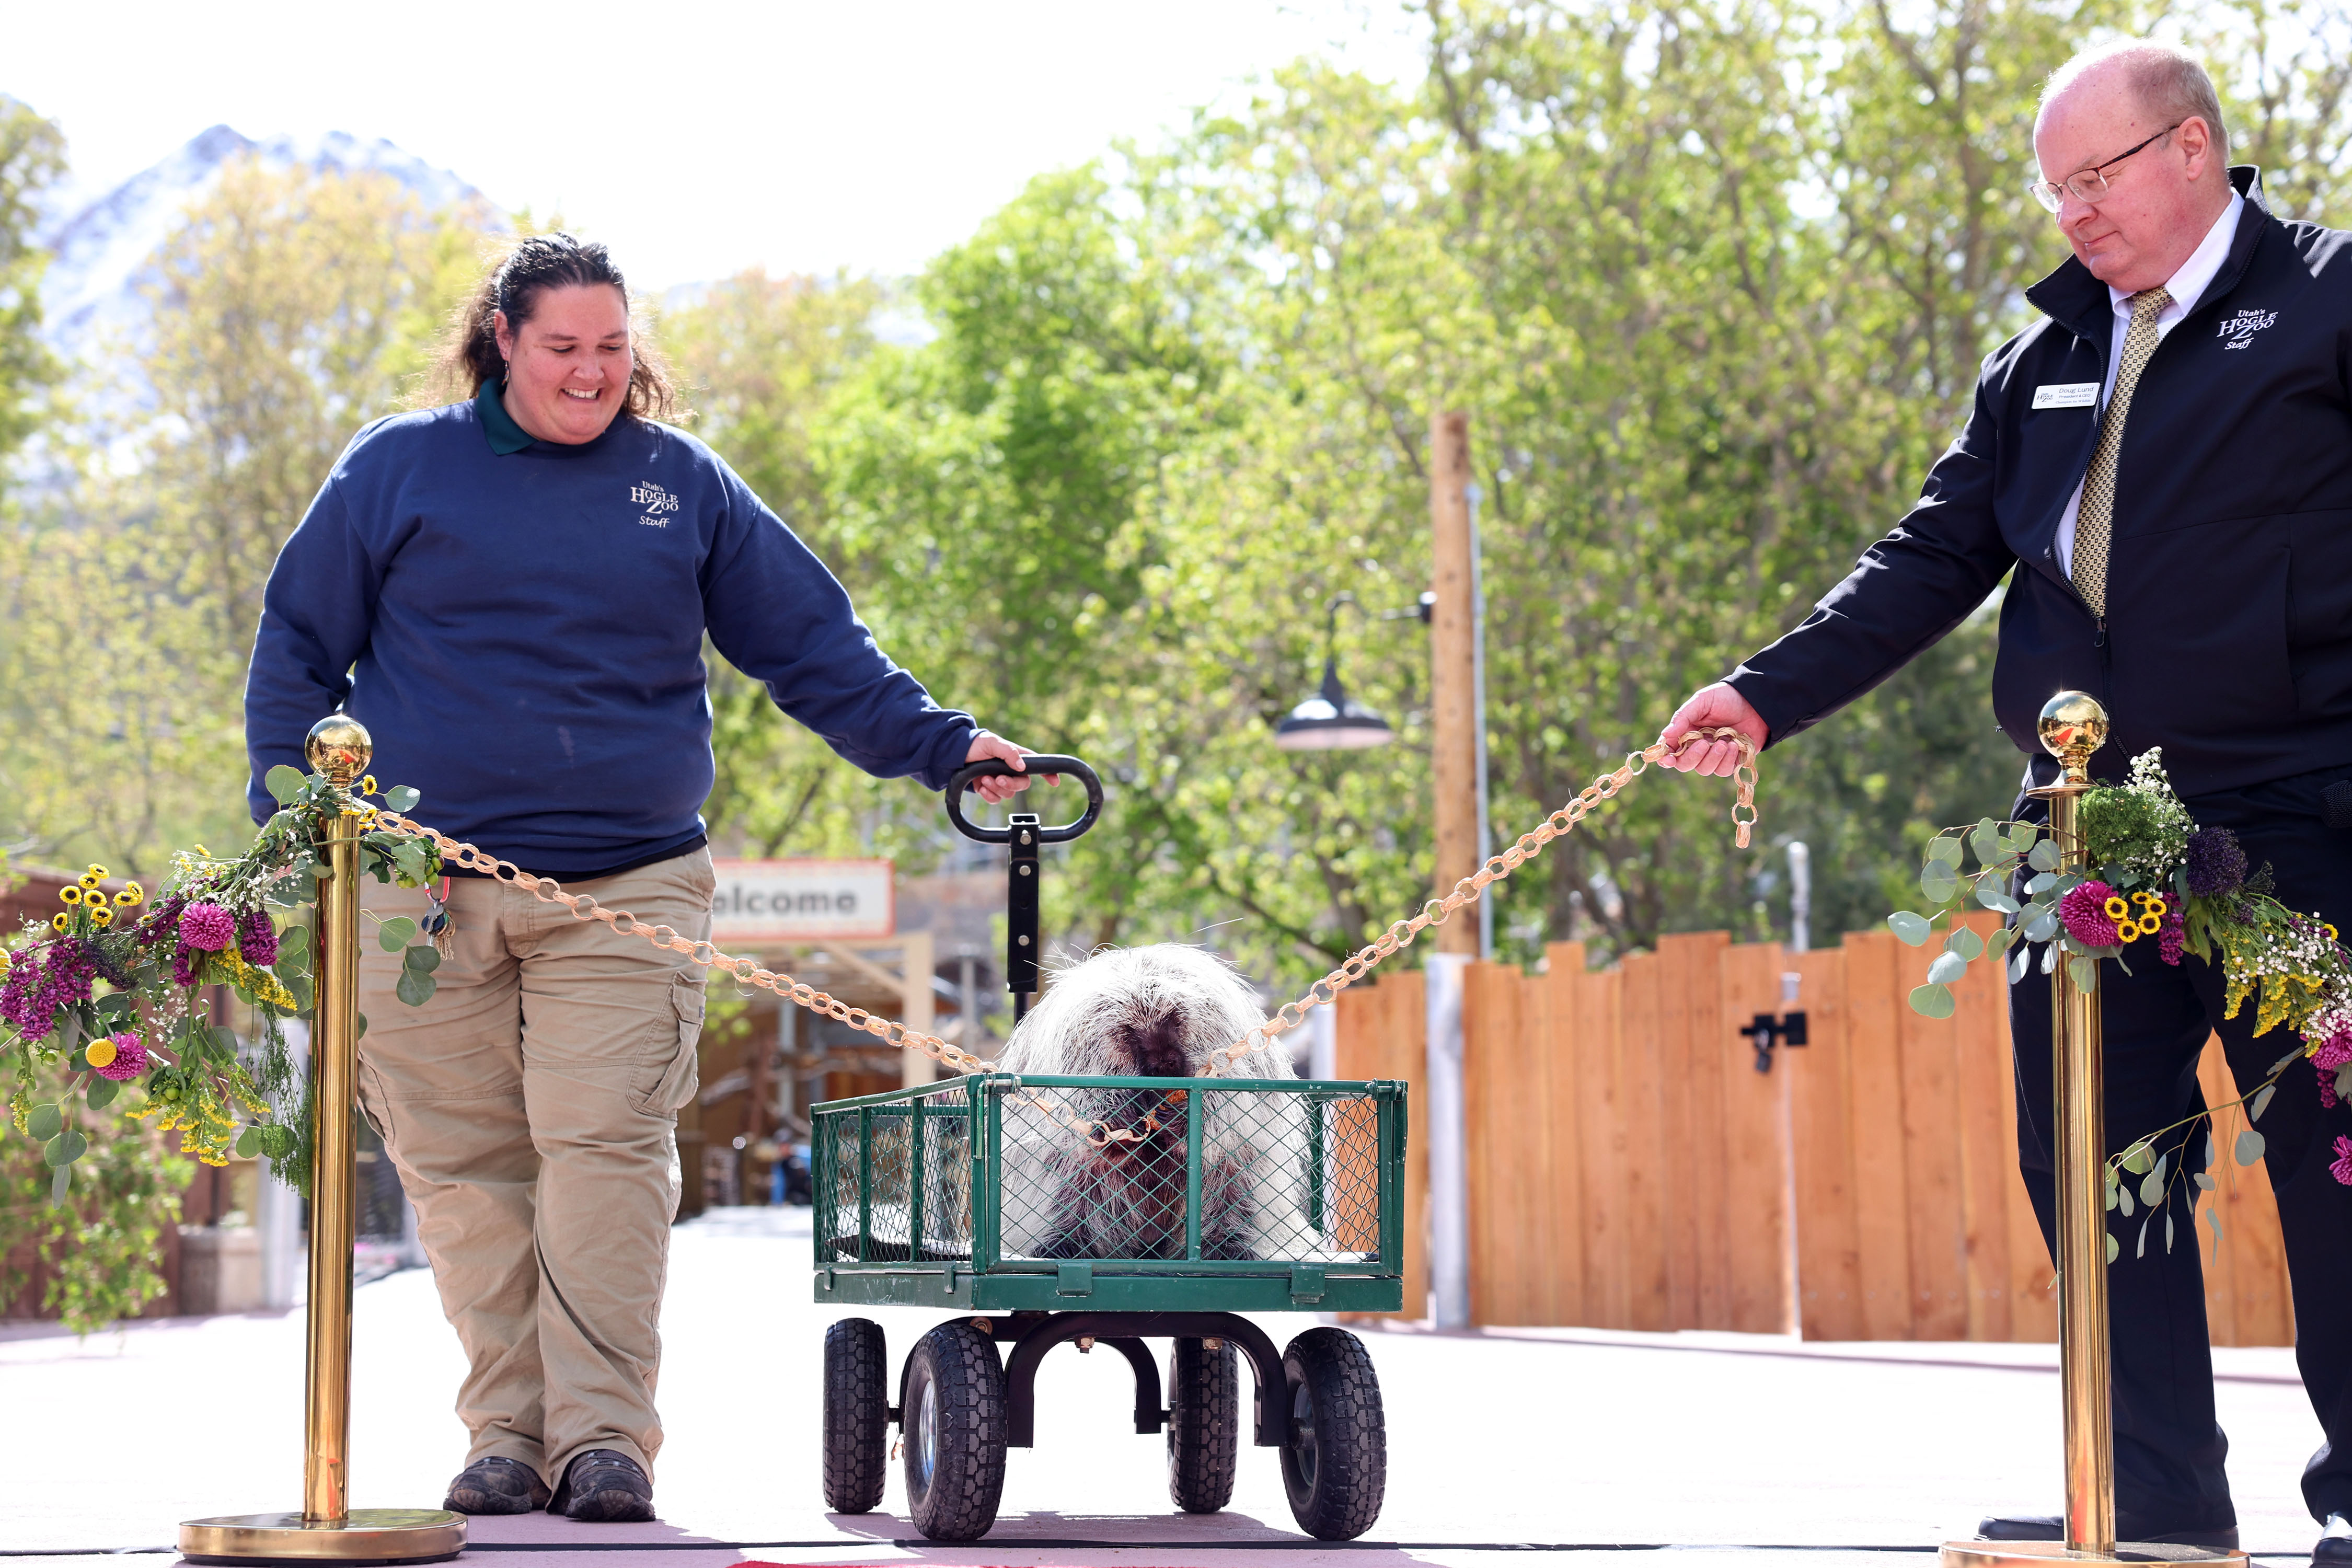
(2187, 287)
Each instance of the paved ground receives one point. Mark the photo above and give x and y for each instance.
(1757, 1451)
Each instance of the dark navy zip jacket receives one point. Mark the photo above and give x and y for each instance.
(2228, 638)
(519, 626)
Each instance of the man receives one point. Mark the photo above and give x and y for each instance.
(2162, 468)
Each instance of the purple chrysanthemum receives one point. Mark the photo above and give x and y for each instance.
(2342, 1169)
(258, 939)
(208, 927)
(130, 1058)
(184, 965)
(2334, 1051)
(2217, 863)
(2084, 913)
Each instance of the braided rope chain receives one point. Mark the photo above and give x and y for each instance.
(750, 972)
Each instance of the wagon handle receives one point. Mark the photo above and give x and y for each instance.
(991, 768)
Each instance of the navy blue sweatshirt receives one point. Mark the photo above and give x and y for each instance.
(519, 626)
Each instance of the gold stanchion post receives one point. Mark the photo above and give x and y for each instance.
(2074, 725)
(329, 1528)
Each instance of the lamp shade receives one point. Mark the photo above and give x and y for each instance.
(1331, 720)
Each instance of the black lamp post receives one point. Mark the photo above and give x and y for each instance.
(1331, 720)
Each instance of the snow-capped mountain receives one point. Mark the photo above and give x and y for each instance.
(101, 250)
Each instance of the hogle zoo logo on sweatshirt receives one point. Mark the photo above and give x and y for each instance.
(659, 503)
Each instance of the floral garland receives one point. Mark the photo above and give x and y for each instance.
(116, 998)
(2155, 873)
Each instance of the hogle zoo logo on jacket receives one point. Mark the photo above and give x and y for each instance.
(2241, 328)
(657, 502)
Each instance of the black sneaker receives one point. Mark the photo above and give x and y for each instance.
(602, 1487)
(496, 1484)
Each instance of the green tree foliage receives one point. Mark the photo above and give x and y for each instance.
(100, 1250)
(32, 155)
(290, 308)
(1712, 282)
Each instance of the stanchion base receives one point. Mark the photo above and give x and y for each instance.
(376, 1535)
(2044, 1554)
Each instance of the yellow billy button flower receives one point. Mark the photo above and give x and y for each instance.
(100, 1052)
(70, 893)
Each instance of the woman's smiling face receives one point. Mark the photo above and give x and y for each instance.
(568, 365)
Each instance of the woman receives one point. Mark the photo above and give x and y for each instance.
(511, 592)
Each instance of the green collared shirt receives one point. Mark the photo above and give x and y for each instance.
(507, 437)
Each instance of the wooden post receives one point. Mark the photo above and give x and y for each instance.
(916, 961)
(1454, 694)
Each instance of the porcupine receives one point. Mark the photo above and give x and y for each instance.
(1149, 1012)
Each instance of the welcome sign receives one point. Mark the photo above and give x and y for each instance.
(803, 901)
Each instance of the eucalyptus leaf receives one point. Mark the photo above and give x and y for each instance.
(1965, 941)
(1947, 968)
(2140, 1159)
(1937, 883)
(2041, 924)
(2114, 1191)
(395, 933)
(59, 1185)
(101, 1092)
(1912, 929)
(1998, 942)
(2017, 966)
(2151, 1188)
(248, 1144)
(2050, 959)
(2112, 1248)
(400, 797)
(2085, 973)
(44, 1122)
(2040, 881)
(2167, 1232)
(1933, 1001)
(2141, 1251)
(1993, 896)
(1985, 839)
(294, 938)
(1943, 847)
(423, 958)
(2213, 1219)
(2202, 1179)
(2043, 856)
(2124, 1201)
(414, 987)
(2344, 1081)
(66, 1147)
(2261, 1102)
(2249, 1147)
(283, 783)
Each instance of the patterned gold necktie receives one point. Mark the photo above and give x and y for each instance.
(2094, 521)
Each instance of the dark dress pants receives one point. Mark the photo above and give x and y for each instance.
(2169, 1448)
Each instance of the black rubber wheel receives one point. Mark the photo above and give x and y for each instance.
(951, 1421)
(856, 1416)
(1335, 1460)
(1204, 1421)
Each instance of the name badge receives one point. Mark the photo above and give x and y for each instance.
(2070, 395)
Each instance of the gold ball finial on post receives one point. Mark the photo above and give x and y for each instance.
(339, 747)
(2073, 726)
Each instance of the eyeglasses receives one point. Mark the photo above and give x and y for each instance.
(2091, 183)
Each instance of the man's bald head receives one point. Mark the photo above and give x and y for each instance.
(2142, 118)
(2168, 81)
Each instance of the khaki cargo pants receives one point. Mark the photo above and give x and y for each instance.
(532, 1111)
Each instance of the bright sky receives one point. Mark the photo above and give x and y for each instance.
(697, 137)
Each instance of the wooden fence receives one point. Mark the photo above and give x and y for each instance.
(1629, 1169)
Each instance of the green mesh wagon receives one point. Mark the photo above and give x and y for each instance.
(955, 1197)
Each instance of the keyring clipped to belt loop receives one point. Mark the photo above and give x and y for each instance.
(437, 922)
